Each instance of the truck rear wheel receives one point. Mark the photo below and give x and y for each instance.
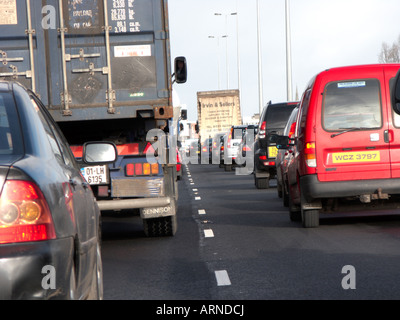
(160, 227)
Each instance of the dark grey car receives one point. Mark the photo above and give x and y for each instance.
(49, 218)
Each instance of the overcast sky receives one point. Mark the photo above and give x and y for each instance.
(324, 33)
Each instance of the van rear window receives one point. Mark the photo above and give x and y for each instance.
(350, 104)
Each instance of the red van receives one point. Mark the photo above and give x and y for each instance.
(346, 144)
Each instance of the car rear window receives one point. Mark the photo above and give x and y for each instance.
(10, 131)
(352, 104)
(278, 116)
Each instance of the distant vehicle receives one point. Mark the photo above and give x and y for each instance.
(217, 143)
(283, 158)
(206, 151)
(49, 218)
(246, 145)
(231, 146)
(273, 120)
(346, 155)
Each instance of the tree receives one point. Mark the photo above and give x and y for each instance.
(390, 54)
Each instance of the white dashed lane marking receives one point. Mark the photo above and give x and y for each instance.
(222, 278)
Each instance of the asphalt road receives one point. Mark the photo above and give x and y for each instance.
(235, 242)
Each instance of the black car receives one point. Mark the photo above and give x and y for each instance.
(49, 218)
(273, 120)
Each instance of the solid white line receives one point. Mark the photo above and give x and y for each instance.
(222, 278)
(208, 233)
(202, 211)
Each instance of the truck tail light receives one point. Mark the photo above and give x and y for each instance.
(310, 157)
(154, 168)
(262, 130)
(141, 169)
(24, 213)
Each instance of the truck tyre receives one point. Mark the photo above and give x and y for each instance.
(310, 218)
(160, 227)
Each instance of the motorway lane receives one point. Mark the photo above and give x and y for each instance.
(245, 247)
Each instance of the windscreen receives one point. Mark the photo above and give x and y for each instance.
(278, 116)
(352, 104)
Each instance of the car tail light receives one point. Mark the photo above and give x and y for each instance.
(310, 156)
(292, 129)
(24, 213)
(263, 157)
(269, 163)
(262, 129)
(228, 144)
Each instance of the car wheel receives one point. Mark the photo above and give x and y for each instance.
(294, 210)
(310, 218)
(262, 183)
(96, 290)
(279, 189)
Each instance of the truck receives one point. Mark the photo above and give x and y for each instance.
(104, 72)
(217, 112)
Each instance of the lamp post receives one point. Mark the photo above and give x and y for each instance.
(218, 55)
(260, 85)
(288, 53)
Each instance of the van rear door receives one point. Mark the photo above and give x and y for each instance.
(352, 136)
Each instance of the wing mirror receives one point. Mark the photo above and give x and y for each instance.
(180, 69)
(99, 152)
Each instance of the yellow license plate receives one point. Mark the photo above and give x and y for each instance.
(364, 156)
(272, 152)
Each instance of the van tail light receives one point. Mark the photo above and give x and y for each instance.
(309, 153)
(24, 213)
(262, 129)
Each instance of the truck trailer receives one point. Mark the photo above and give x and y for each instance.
(103, 69)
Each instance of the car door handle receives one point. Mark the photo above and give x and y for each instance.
(387, 136)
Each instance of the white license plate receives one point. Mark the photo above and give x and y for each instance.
(95, 175)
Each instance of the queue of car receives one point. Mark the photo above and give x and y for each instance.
(337, 150)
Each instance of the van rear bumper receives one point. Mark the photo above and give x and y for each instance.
(312, 188)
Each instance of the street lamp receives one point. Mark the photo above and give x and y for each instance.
(260, 85)
(288, 54)
(218, 55)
